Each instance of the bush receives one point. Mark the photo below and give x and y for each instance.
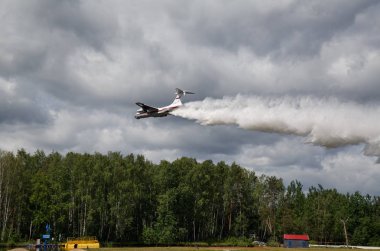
(235, 241)
(150, 236)
(273, 243)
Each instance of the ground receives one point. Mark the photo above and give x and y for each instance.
(218, 249)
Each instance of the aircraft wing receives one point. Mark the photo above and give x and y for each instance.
(147, 108)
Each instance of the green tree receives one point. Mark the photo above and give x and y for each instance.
(292, 209)
(128, 198)
(270, 192)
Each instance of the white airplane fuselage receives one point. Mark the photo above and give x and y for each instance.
(162, 112)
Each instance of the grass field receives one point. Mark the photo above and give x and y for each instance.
(219, 249)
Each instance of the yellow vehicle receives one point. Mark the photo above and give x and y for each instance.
(82, 242)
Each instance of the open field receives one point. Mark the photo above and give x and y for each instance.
(219, 248)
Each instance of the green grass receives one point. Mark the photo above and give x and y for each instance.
(219, 248)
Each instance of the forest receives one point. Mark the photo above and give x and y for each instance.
(127, 198)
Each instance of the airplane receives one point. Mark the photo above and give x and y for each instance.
(147, 111)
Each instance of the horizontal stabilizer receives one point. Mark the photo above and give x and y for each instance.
(181, 93)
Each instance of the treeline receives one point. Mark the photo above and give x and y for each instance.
(128, 198)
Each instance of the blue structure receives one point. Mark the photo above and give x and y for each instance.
(46, 236)
(296, 240)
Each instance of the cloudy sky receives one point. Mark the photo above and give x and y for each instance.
(71, 72)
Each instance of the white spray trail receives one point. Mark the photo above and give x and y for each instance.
(326, 122)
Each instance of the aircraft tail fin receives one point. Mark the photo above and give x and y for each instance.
(179, 93)
(177, 102)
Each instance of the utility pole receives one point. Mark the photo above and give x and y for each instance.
(345, 229)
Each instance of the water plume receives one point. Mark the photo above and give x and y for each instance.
(326, 122)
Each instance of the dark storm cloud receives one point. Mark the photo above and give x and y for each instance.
(39, 47)
(291, 40)
(92, 26)
(196, 141)
(295, 29)
(21, 112)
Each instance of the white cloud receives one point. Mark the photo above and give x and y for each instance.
(72, 72)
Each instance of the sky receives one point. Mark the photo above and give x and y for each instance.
(71, 72)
